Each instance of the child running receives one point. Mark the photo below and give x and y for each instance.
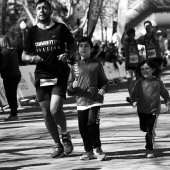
(146, 96)
(89, 83)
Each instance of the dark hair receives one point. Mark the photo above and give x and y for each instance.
(151, 64)
(130, 31)
(84, 39)
(148, 22)
(45, 1)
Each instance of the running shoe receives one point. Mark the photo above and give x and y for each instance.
(68, 146)
(11, 118)
(149, 154)
(58, 151)
(100, 155)
(87, 156)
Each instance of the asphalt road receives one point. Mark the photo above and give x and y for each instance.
(27, 145)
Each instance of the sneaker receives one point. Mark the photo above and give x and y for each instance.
(68, 146)
(11, 118)
(100, 155)
(87, 156)
(58, 151)
(149, 154)
(128, 99)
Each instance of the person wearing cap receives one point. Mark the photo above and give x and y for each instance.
(132, 58)
(49, 44)
(151, 42)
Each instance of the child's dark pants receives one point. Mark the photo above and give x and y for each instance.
(148, 125)
(89, 127)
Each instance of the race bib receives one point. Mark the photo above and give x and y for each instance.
(133, 58)
(48, 82)
(151, 53)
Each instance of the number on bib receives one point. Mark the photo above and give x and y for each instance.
(151, 53)
(133, 59)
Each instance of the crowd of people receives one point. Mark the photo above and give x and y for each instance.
(50, 45)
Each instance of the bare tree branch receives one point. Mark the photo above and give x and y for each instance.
(82, 24)
(4, 6)
(25, 6)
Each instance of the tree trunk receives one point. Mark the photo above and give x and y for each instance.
(3, 19)
(101, 25)
(25, 4)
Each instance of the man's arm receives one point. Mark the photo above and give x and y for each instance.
(29, 58)
(27, 55)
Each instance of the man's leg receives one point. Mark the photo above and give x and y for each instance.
(52, 128)
(49, 120)
(62, 123)
(56, 108)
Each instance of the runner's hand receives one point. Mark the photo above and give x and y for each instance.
(63, 57)
(134, 104)
(75, 84)
(101, 92)
(36, 59)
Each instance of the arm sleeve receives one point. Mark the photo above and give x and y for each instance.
(135, 92)
(103, 82)
(69, 39)
(164, 92)
(70, 90)
(28, 43)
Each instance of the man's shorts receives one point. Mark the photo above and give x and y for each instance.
(45, 92)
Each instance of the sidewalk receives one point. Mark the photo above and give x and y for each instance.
(26, 144)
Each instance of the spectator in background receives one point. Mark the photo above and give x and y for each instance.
(151, 42)
(132, 58)
(11, 75)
